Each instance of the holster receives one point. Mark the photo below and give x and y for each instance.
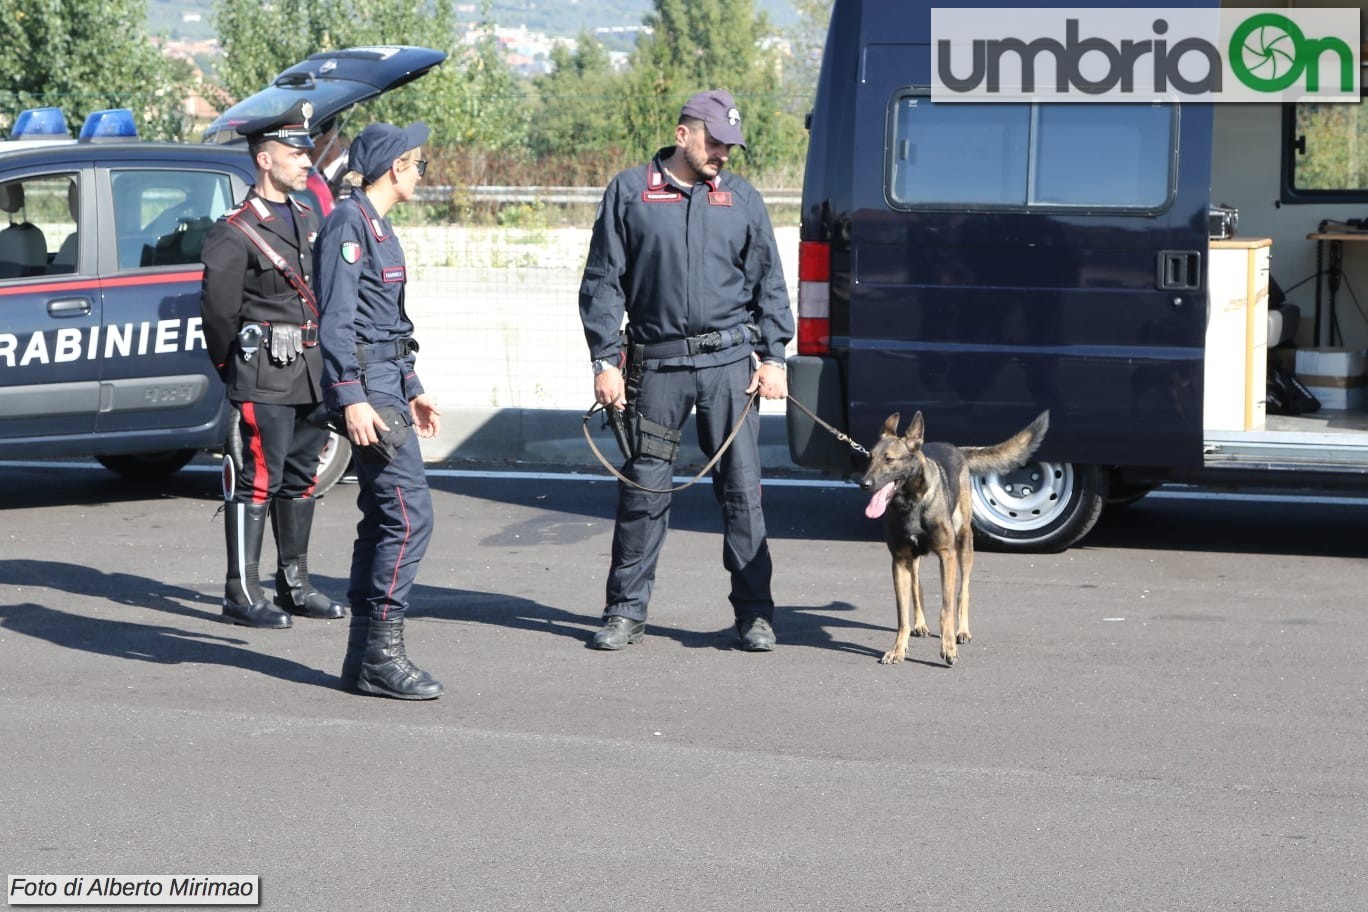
(400, 423)
(636, 434)
(623, 422)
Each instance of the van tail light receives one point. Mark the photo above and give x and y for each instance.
(814, 298)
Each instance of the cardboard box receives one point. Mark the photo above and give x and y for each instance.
(1338, 377)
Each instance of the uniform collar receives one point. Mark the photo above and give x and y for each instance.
(262, 206)
(378, 226)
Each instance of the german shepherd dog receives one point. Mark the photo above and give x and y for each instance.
(922, 492)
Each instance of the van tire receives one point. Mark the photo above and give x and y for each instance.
(147, 466)
(333, 463)
(1041, 507)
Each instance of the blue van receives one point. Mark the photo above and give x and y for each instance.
(1120, 264)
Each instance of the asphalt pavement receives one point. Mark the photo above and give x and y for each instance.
(1172, 716)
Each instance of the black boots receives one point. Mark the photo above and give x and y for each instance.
(243, 601)
(292, 519)
(618, 631)
(380, 665)
(356, 650)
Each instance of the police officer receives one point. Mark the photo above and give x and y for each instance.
(688, 255)
(369, 378)
(261, 330)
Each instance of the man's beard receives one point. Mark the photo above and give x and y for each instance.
(703, 166)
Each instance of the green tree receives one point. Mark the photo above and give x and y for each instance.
(806, 38)
(580, 111)
(88, 55)
(708, 44)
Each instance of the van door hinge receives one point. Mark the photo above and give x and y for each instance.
(1179, 270)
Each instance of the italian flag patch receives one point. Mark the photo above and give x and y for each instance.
(351, 251)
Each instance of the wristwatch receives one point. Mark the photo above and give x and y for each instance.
(602, 364)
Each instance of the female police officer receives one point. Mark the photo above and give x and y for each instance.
(368, 376)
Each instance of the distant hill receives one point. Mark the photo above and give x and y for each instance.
(193, 19)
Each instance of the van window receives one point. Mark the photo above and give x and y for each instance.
(1325, 153)
(161, 217)
(1113, 156)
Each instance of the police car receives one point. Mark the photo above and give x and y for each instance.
(101, 348)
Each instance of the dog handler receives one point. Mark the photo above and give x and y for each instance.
(369, 377)
(689, 257)
(261, 330)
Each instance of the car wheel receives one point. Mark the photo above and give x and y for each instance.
(1042, 506)
(147, 466)
(332, 465)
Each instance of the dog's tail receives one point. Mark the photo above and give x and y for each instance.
(1012, 452)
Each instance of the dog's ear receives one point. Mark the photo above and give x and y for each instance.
(890, 428)
(916, 430)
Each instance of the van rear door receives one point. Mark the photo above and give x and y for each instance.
(1009, 258)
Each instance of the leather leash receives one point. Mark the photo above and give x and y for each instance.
(750, 403)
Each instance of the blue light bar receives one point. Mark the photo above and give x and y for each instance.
(115, 123)
(40, 123)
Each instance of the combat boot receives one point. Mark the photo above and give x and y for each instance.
(292, 520)
(243, 601)
(386, 670)
(357, 637)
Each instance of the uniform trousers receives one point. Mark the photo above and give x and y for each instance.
(396, 508)
(280, 452)
(718, 396)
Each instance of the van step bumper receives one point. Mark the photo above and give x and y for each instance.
(819, 383)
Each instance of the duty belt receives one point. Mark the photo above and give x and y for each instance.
(261, 330)
(396, 350)
(720, 340)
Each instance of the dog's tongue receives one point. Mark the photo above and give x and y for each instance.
(879, 502)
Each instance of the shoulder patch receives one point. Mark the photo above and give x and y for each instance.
(351, 251)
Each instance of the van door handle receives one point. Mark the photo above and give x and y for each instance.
(1179, 270)
(69, 307)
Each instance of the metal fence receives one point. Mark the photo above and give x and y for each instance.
(497, 307)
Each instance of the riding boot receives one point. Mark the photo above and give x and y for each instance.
(386, 670)
(243, 601)
(292, 519)
(357, 637)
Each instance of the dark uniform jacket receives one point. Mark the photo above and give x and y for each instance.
(242, 286)
(360, 277)
(681, 262)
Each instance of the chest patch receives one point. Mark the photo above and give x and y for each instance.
(351, 251)
(392, 274)
(661, 196)
(719, 197)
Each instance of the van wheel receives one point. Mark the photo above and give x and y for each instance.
(1042, 506)
(333, 463)
(147, 466)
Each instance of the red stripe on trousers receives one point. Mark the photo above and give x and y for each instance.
(261, 479)
(399, 559)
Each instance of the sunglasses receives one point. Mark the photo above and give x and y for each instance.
(421, 165)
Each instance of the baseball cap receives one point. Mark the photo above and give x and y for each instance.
(379, 144)
(290, 128)
(717, 109)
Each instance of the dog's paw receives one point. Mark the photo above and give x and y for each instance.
(922, 631)
(893, 657)
(963, 636)
(949, 654)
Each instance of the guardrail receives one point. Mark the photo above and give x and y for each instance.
(562, 195)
